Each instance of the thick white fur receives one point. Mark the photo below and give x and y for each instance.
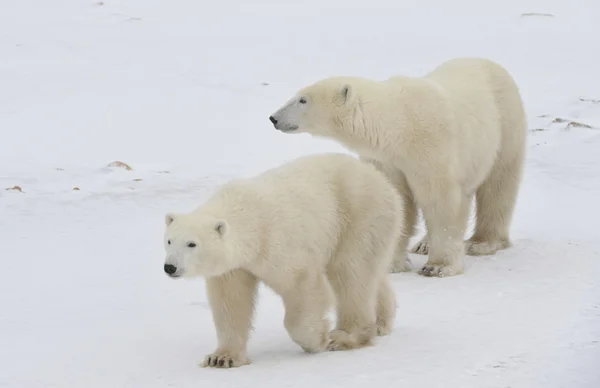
(455, 133)
(319, 231)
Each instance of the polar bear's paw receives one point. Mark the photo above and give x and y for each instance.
(339, 340)
(383, 329)
(484, 248)
(403, 264)
(434, 270)
(224, 359)
(342, 340)
(422, 247)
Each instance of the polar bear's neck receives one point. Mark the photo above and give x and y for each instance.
(369, 131)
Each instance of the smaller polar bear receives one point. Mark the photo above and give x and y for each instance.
(456, 133)
(319, 231)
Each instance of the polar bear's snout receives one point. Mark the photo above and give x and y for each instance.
(284, 119)
(277, 122)
(282, 125)
(171, 270)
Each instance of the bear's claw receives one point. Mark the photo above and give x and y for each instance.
(432, 270)
(341, 340)
(421, 248)
(224, 361)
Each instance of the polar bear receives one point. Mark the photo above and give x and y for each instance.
(320, 231)
(456, 133)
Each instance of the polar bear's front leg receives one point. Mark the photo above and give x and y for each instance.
(401, 261)
(446, 215)
(232, 299)
(306, 305)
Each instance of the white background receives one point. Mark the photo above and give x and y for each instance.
(176, 89)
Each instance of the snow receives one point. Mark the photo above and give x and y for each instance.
(181, 91)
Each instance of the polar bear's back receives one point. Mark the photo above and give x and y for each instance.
(305, 208)
(478, 88)
(327, 183)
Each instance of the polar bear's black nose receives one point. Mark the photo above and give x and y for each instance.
(170, 269)
(273, 120)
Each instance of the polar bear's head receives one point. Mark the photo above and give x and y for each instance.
(320, 109)
(196, 245)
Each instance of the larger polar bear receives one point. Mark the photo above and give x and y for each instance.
(455, 133)
(319, 230)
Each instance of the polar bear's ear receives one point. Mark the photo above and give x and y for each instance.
(221, 227)
(347, 93)
(169, 218)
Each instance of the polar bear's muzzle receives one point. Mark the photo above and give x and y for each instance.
(172, 271)
(282, 125)
(288, 128)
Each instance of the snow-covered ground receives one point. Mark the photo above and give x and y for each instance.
(181, 92)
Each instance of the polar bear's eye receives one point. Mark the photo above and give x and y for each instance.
(191, 245)
(303, 100)
(169, 242)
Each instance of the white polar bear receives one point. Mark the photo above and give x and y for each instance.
(456, 132)
(319, 227)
